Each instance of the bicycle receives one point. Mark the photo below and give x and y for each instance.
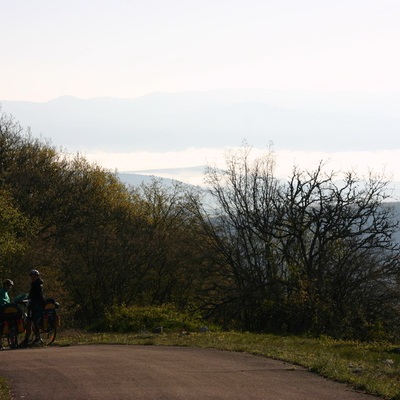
(49, 322)
(11, 323)
(47, 325)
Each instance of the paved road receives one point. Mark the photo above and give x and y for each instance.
(119, 372)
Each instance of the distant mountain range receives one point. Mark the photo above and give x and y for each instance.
(135, 179)
(337, 121)
(189, 175)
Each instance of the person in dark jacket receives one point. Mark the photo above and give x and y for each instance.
(35, 307)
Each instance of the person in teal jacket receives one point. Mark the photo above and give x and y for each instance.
(4, 296)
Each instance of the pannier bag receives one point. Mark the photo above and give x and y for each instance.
(10, 311)
(50, 305)
(5, 326)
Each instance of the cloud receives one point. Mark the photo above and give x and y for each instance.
(168, 163)
(380, 162)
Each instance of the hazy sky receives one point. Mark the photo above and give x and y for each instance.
(129, 48)
(122, 48)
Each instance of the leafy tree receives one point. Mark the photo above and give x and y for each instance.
(96, 226)
(97, 242)
(171, 248)
(14, 232)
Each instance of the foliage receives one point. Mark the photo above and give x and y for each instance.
(95, 241)
(14, 231)
(306, 255)
(147, 319)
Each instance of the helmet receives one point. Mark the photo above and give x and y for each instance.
(34, 272)
(8, 282)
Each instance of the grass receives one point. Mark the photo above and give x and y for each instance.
(4, 390)
(371, 367)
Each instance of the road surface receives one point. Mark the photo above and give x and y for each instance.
(118, 372)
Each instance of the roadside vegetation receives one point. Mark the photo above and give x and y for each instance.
(312, 256)
(371, 367)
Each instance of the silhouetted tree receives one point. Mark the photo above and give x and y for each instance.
(311, 254)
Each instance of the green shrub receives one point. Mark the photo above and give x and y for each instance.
(147, 319)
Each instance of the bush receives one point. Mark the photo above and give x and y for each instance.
(147, 319)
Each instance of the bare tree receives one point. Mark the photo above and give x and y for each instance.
(242, 230)
(337, 239)
(312, 254)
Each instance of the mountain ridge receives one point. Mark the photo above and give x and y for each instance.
(176, 121)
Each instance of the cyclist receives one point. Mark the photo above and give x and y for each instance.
(4, 296)
(35, 307)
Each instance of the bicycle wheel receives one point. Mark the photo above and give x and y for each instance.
(12, 336)
(48, 335)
